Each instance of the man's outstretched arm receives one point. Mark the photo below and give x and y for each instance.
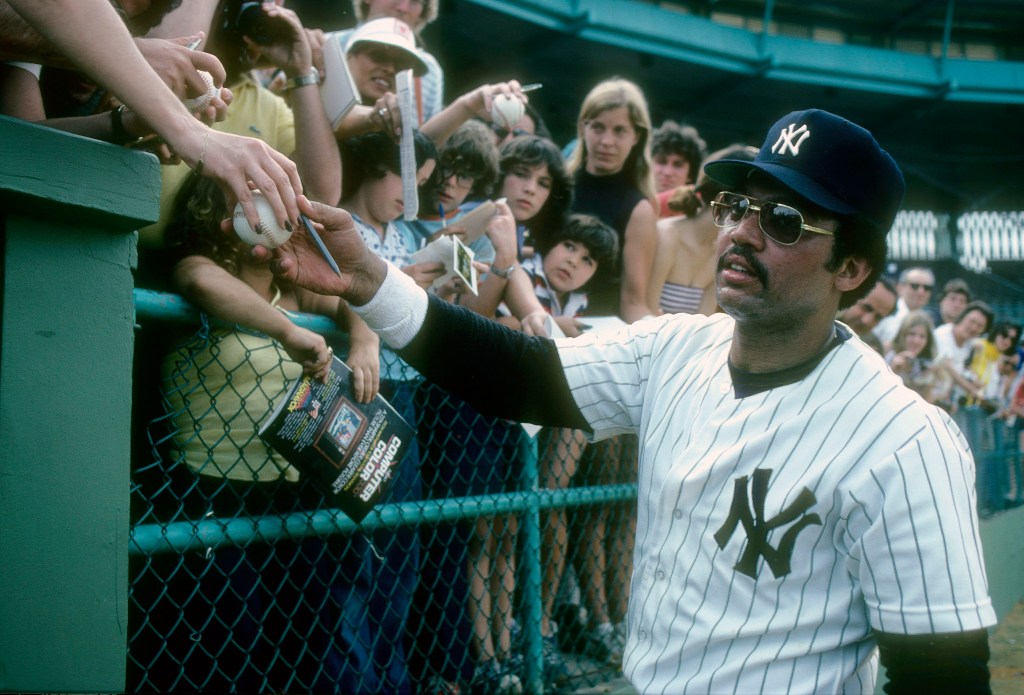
(498, 371)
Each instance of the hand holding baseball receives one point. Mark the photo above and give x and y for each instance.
(267, 232)
(482, 101)
(301, 263)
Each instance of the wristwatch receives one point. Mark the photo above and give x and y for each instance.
(312, 78)
(505, 273)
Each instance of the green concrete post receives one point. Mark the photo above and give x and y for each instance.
(68, 208)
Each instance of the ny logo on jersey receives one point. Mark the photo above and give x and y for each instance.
(757, 527)
(786, 139)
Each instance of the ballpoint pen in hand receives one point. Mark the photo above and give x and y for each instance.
(320, 244)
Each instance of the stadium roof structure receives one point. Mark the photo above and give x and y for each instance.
(940, 82)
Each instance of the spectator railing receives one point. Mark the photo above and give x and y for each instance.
(82, 549)
(177, 535)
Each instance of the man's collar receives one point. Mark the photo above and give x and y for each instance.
(752, 383)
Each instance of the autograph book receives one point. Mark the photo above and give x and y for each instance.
(349, 449)
(456, 257)
(338, 90)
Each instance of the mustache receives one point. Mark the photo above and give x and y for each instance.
(747, 255)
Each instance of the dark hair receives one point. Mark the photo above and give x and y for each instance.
(889, 285)
(601, 241)
(470, 151)
(984, 308)
(855, 238)
(681, 139)
(690, 200)
(540, 128)
(151, 17)
(1007, 329)
(193, 226)
(375, 154)
(956, 286)
(533, 151)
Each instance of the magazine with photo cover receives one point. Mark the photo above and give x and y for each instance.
(350, 449)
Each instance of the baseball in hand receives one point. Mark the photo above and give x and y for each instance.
(506, 110)
(269, 234)
(200, 102)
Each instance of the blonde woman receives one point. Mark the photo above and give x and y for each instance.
(913, 353)
(683, 277)
(613, 180)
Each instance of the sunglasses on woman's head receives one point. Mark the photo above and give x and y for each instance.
(782, 223)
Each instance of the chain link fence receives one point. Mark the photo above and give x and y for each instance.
(500, 562)
(490, 568)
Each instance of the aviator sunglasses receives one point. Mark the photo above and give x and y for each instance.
(780, 222)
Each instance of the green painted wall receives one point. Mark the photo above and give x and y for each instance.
(68, 206)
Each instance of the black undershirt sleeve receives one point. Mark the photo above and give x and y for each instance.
(944, 663)
(499, 371)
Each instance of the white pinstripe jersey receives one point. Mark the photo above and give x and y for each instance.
(888, 538)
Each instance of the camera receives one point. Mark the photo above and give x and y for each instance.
(252, 21)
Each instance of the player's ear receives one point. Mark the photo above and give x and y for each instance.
(853, 271)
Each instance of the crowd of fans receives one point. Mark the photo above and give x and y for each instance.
(622, 226)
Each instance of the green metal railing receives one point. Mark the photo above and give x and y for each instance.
(209, 534)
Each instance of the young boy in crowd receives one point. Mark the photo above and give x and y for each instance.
(566, 262)
(466, 171)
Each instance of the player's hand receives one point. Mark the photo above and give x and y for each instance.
(363, 360)
(300, 263)
(310, 350)
(424, 273)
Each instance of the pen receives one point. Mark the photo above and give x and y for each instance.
(194, 44)
(530, 87)
(320, 244)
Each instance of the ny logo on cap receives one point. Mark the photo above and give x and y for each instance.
(786, 141)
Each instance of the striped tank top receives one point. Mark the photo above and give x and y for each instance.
(680, 299)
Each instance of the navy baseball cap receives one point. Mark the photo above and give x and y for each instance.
(828, 160)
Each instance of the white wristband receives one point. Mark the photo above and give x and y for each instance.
(396, 313)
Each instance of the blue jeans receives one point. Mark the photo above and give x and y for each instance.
(465, 453)
(370, 580)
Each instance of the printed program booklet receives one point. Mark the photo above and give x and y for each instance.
(350, 449)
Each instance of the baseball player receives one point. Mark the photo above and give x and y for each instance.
(802, 515)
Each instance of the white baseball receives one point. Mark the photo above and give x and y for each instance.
(200, 102)
(269, 234)
(507, 110)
